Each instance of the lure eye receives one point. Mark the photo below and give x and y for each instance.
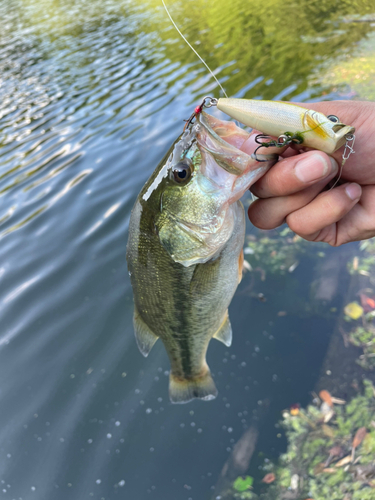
(333, 118)
(182, 171)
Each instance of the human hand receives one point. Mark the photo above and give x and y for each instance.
(295, 191)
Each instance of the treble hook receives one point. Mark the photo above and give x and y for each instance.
(272, 142)
(280, 142)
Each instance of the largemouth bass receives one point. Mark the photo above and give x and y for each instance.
(184, 250)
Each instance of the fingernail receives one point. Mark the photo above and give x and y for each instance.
(312, 168)
(354, 191)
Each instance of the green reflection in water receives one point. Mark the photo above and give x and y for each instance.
(353, 72)
(274, 45)
(265, 39)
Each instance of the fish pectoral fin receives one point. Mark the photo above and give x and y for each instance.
(224, 333)
(143, 335)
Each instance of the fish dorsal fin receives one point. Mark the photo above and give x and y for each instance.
(143, 335)
(224, 333)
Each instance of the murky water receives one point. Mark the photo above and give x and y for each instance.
(92, 94)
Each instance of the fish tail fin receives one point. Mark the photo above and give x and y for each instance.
(183, 390)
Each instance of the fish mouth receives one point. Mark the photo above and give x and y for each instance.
(227, 155)
(222, 140)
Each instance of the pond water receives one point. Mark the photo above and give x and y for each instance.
(92, 94)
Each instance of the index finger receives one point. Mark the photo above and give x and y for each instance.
(295, 174)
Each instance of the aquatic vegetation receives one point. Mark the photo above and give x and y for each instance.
(364, 263)
(353, 72)
(242, 487)
(279, 251)
(364, 337)
(323, 454)
(330, 454)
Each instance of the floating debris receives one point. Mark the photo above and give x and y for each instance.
(269, 478)
(353, 310)
(326, 397)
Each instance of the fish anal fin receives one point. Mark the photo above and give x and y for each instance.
(183, 390)
(224, 333)
(143, 335)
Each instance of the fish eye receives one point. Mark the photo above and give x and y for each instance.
(333, 118)
(182, 171)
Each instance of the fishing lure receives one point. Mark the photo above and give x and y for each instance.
(288, 123)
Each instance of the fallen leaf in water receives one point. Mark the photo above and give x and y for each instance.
(353, 310)
(359, 437)
(294, 482)
(243, 483)
(326, 397)
(336, 451)
(294, 409)
(281, 313)
(327, 412)
(338, 401)
(364, 273)
(368, 303)
(328, 431)
(293, 266)
(328, 417)
(344, 461)
(246, 266)
(269, 478)
(318, 469)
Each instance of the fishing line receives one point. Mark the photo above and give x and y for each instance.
(192, 48)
